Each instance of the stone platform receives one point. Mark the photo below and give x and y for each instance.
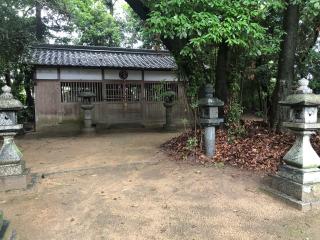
(298, 187)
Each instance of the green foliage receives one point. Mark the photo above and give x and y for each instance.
(313, 67)
(161, 91)
(134, 31)
(205, 23)
(192, 143)
(308, 56)
(15, 34)
(234, 125)
(93, 23)
(252, 29)
(26, 115)
(185, 123)
(234, 111)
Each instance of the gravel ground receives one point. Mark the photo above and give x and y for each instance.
(119, 185)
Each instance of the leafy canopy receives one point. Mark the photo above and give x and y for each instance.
(94, 24)
(210, 22)
(15, 33)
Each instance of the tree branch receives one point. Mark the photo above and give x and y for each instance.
(139, 8)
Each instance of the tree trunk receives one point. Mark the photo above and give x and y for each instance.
(28, 87)
(139, 8)
(40, 36)
(39, 23)
(110, 6)
(173, 45)
(7, 77)
(221, 86)
(285, 64)
(304, 55)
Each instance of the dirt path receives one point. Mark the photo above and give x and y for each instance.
(119, 186)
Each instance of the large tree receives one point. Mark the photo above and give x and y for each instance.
(202, 26)
(194, 27)
(93, 23)
(301, 24)
(286, 60)
(15, 36)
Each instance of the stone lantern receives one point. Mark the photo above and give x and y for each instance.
(87, 106)
(209, 118)
(12, 167)
(169, 101)
(298, 180)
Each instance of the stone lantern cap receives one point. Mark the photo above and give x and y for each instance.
(169, 93)
(304, 96)
(309, 100)
(87, 94)
(7, 102)
(208, 100)
(168, 98)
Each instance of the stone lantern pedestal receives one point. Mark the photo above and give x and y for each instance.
(168, 103)
(13, 174)
(209, 119)
(298, 180)
(87, 107)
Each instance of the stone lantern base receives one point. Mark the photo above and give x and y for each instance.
(13, 180)
(13, 174)
(87, 128)
(298, 187)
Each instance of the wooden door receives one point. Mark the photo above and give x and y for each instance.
(124, 100)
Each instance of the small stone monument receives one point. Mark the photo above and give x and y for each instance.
(169, 102)
(87, 106)
(13, 174)
(298, 180)
(209, 118)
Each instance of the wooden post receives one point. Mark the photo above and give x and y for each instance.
(143, 100)
(60, 107)
(104, 90)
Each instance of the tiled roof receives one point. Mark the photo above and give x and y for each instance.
(84, 56)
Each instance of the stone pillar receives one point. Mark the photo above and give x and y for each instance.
(210, 141)
(87, 118)
(13, 174)
(87, 107)
(169, 102)
(298, 180)
(209, 119)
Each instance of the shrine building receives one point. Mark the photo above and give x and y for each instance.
(128, 84)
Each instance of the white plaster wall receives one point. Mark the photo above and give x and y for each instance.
(111, 74)
(159, 76)
(47, 73)
(80, 74)
(96, 74)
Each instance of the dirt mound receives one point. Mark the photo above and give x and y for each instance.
(260, 150)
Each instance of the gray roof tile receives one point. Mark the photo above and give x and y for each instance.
(84, 56)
